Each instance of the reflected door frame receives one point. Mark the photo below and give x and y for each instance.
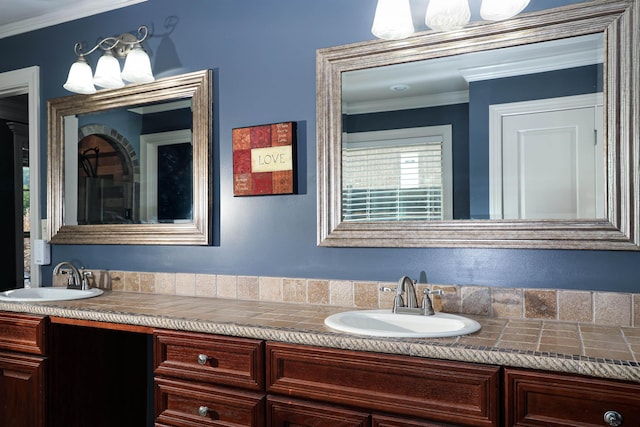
(19, 82)
(496, 114)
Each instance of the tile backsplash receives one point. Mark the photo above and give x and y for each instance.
(603, 308)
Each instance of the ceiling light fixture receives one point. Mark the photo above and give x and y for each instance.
(392, 20)
(137, 66)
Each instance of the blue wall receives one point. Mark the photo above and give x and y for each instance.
(263, 57)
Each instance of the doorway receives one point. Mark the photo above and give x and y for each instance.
(19, 175)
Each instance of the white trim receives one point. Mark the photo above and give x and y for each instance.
(19, 82)
(63, 14)
(498, 111)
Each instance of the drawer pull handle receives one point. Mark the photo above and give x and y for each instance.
(613, 418)
(203, 411)
(202, 359)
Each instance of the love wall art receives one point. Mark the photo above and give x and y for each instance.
(263, 159)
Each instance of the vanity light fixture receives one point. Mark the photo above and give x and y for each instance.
(497, 10)
(445, 15)
(392, 20)
(137, 66)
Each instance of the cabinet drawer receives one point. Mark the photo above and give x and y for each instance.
(459, 393)
(209, 358)
(284, 412)
(541, 399)
(22, 333)
(187, 404)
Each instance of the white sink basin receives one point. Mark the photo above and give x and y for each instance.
(384, 323)
(47, 294)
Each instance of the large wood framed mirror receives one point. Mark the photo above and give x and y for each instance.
(466, 124)
(132, 165)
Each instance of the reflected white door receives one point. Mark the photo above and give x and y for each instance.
(551, 165)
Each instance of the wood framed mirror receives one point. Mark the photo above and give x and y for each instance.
(132, 165)
(481, 216)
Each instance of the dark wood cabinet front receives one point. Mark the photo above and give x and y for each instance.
(544, 399)
(461, 394)
(22, 390)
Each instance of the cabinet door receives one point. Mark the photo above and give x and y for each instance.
(462, 394)
(190, 404)
(22, 390)
(542, 399)
(283, 412)
(378, 420)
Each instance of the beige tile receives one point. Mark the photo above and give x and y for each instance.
(608, 353)
(206, 285)
(185, 284)
(148, 283)
(270, 288)
(560, 349)
(318, 291)
(476, 300)
(517, 345)
(449, 301)
(575, 306)
(294, 291)
(248, 288)
(385, 298)
(612, 308)
(540, 304)
(132, 282)
(117, 280)
(166, 283)
(636, 310)
(226, 286)
(365, 294)
(506, 302)
(341, 293)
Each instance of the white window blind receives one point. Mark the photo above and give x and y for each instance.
(382, 182)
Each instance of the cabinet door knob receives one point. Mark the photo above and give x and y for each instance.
(202, 359)
(203, 411)
(613, 418)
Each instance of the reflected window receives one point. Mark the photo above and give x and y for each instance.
(397, 175)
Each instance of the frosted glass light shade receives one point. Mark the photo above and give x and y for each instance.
(137, 66)
(80, 78)
(108, 72)
(445, 15)
(496, 10)
(392, 20)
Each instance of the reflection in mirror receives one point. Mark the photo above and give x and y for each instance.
(135, 166)
(537, 111)
(527, 135)
(123, 153)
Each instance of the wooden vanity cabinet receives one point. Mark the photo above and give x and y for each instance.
(545, 399)
(208, 380)
(22, 370)
(393, 390)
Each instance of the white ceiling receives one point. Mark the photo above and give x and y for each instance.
(21, 16)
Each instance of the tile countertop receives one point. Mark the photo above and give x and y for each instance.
(600, 351)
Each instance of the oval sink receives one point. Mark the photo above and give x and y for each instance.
(47, 294)
(384, 323)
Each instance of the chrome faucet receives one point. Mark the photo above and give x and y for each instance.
(405, 286)
(407, 289)
(73, 281)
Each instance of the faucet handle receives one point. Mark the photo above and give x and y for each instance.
(433, 292)
(85, 278)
